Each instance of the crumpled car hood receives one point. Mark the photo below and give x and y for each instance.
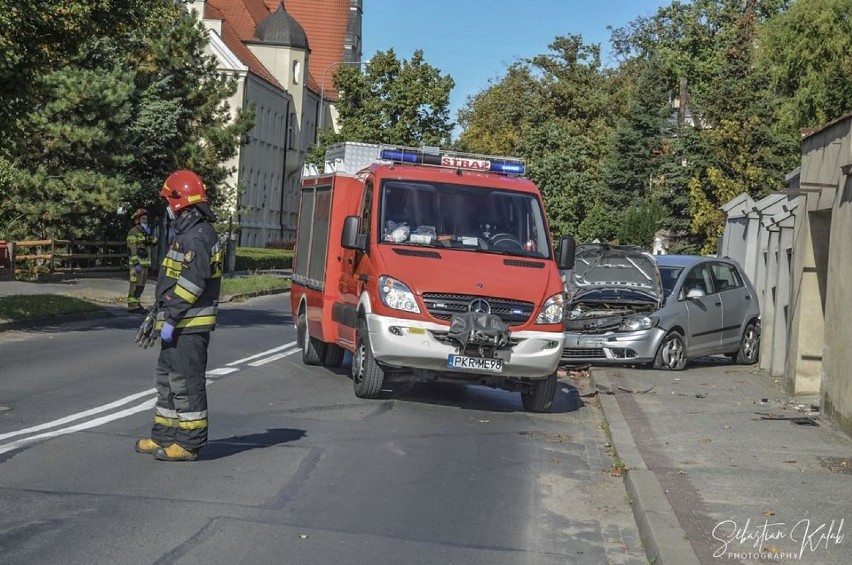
(599, 266)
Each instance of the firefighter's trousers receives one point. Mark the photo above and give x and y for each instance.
(137, 286)
(180, 415)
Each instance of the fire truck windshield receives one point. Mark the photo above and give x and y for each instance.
(462, 217)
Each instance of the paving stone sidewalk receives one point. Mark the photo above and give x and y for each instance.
(726, 467)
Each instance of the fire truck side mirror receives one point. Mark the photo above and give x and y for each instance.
(351, 239)
(567, 247)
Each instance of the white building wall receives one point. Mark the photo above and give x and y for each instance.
(261, 171)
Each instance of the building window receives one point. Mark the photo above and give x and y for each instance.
(297, 71)
(291, 132)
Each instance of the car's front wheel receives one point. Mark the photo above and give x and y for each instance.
(539, 397)
(367, 374)
(749, 351)
(671, 355)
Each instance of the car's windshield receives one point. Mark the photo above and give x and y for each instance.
(668, 276)
(462, 217)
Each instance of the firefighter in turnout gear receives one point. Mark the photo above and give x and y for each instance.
(187, 292)
(141, 240)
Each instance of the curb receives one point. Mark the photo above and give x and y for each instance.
(54, 320)
(662, 536)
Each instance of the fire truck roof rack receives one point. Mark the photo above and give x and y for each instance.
(350, 157)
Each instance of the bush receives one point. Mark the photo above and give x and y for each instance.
(257, 258)
(282, 244)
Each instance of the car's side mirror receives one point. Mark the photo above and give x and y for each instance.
(565, 257)
(695, 293)
(350, 238)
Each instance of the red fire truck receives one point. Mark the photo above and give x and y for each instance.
(431, 266)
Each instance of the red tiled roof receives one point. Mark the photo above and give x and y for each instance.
(324, 22)
(241, 13)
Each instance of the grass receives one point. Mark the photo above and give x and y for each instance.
(252, 283)
(28, 307)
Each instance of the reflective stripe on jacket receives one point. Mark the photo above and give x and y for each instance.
(140, 245)
(190, 276)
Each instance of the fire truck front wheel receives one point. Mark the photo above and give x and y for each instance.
(539, 397)
(367, 375)
(313, 350)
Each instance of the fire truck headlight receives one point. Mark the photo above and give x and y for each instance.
(396, 295)
(553, 310)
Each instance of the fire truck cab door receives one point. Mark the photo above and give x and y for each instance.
(353, 275)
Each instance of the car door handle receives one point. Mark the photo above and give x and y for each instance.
(718, 304)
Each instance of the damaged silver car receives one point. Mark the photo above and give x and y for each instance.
(626, 306)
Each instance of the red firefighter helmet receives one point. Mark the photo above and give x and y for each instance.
(139, 212)
(182, 189)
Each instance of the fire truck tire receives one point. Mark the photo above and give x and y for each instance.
(333, 355)
(367, 375)
(540, 397)
(313, 350)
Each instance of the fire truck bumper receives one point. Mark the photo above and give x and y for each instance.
(411, 344)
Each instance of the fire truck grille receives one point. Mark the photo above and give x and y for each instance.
(443, 306)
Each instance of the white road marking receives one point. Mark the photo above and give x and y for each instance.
(146, 405)
(261, 354)
(80, 415)
(273, 358)
(222, 371)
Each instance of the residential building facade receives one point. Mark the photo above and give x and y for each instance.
(275, 50)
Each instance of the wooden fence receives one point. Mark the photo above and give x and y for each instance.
(60, 256)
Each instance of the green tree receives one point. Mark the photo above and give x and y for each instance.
(552, 110)
(493, 120)
(401, 102)
(809, 54)
(747, 154)
(104, 128)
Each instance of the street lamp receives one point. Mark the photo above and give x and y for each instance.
(322, 87)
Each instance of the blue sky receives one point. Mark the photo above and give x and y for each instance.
(475, 40)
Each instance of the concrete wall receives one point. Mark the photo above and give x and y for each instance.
(819, 355)
(836, 382)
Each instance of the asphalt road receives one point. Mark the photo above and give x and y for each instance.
(298, 469)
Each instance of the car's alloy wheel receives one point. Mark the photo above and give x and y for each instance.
(749, 346)
(672, 353)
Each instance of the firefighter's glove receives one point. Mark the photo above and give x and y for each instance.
(167, 332)
(137, 267)
(146, 336)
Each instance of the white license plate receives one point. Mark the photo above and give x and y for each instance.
(465, 363)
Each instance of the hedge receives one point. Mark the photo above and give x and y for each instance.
(259, 258)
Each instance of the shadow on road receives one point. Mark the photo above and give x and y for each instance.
(476, 397)
(226, 447)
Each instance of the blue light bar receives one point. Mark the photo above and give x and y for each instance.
(454, 160)
(507, 167)
(397, 155)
